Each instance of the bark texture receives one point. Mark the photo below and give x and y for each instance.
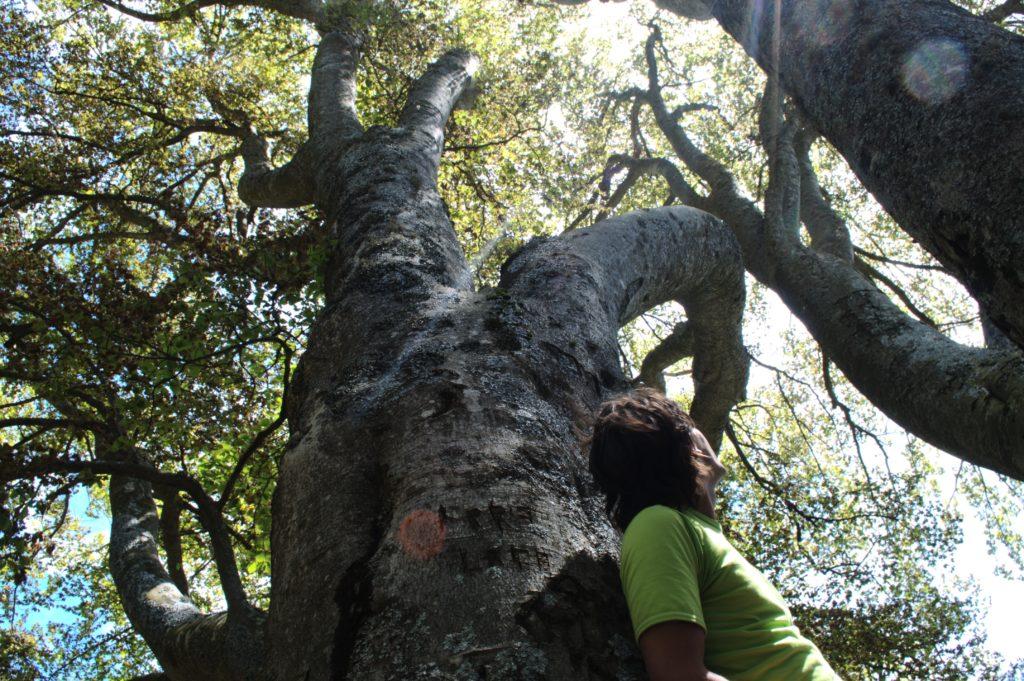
(926, 103)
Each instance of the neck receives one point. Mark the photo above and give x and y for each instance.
(706, 501)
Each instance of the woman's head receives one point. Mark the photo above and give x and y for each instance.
(644, 451)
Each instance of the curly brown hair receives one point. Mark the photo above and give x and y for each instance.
(641, 454)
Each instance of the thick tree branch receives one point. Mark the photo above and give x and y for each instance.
(595, 280)
(435, 94)
(332, 92)
(967, 401)
(891, 118)
(782, 195)
(188, 644)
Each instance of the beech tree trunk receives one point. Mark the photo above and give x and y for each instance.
(433, 516)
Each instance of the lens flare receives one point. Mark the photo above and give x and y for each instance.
(421, 534)
(935, 70)
(832, 17)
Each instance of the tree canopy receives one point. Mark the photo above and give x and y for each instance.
(139, 287)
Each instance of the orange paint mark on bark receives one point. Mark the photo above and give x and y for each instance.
(421, 534)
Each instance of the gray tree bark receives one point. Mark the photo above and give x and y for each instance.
(925, 102)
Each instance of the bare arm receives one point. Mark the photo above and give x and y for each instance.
(674, 651)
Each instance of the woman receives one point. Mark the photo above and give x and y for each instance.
(699, 609)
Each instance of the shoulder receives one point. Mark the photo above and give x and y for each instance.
(655, 515)
(657, 524)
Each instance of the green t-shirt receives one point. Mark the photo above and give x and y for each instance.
(677, 565)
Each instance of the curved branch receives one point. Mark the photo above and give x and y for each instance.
(595, 280)
(743, 217)
(436, 93)
(678, 345)
(677, 184)
(262, 185)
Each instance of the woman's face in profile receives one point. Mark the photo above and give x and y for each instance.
(706, 455)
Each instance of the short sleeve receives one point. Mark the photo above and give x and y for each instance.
(661, 560)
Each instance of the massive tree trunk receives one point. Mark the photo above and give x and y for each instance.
(926, 103)
(433, 516)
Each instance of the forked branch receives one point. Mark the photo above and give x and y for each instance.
(436, 93)
(333, 121)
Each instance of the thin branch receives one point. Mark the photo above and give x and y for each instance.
(1000, 13)
(677, 184)
(308, 10)
(855, 428)
(897, 290)
(46, 422)
(899, 263)
(767, 484)
(261, 436)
